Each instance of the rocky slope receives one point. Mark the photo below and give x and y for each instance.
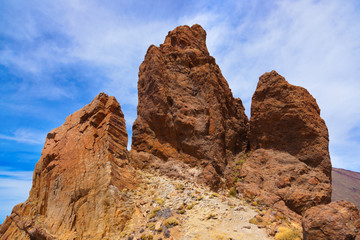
(346, 186)
(179, 209)
(191, 137)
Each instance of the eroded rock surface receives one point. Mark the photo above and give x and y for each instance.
(186, 109)
(289, 161)
(287, 118)
(281, 180)
(338, 220)
(78, 181)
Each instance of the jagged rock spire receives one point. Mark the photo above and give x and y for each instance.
(186, 109)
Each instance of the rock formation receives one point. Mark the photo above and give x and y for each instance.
(78, 181)
(186, 109)
(338, 220)
(289, 161)
(189, 126)
(287, 118)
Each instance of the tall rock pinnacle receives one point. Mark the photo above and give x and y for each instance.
(77, 183)
(289, 164)
(186, 109)
(287, 118)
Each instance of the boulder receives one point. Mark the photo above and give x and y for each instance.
(338, 220)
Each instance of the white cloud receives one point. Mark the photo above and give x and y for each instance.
(28, 136)
(314, 44)
(14, 189)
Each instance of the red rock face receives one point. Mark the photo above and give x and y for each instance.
(78, 181)
(338, 220)
(186, 109)
(287, 118)
(289, 158)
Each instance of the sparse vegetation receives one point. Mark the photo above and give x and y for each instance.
(232, 192)
(289, 233)
(254, 221)
(214, 195)
(159, 201)
(191, 205)
(180, 186)
(152, 226)
(147, 237)
(154, 211)
(242, 160)
(171, 221)
(123, 234)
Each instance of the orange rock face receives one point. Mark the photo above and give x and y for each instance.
(78, 183)
(290, 163)
(338, 220)
(186, 109)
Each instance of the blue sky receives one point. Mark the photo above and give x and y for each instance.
(56, 56)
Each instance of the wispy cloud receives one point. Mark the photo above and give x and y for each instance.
(314, 44)
(14, 188)
(28, 136)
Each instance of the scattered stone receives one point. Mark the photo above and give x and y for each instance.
(239, 208)
(164, 213)
(166, 233)
(158, 227)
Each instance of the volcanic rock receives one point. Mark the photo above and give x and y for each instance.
(289, 161)
(287, 118)
(338, 220)
(282, 181)
(80, 182)
(186, 110)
